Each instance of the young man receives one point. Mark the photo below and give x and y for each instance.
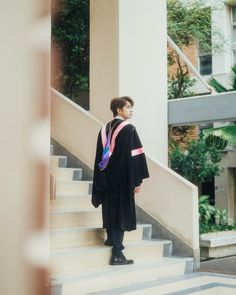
(120, 166)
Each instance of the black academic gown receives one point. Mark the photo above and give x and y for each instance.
(114, 186)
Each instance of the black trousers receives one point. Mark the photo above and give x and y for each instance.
(117, 237)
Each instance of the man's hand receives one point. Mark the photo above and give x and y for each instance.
(137, 189)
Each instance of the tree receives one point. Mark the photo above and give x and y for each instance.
(188, 22)
(70, 30)
(200, 161)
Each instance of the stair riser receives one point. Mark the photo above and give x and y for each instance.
(58, 161)
(73, 187)
(71, 202)
(76, 219)
(86, 238)
(95, 258)
(67, 174)
(123, 279)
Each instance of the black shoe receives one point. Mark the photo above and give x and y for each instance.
(115, 260)
(108, 243)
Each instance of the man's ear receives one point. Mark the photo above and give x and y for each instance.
(119, 110)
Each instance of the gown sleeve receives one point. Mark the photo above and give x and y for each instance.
(139, 163)
(96, 190)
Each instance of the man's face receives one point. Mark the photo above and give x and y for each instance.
(126, 112)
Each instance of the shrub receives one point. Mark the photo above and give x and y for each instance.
(213, 219)
(200, 161)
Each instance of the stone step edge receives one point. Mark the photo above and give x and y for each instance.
(71, 210)
(152, 284)
(158, 283)
(88, 228)
(109, 270)
(218, 242)
(74, 181)
(70, 251)
(66, 168)
(76, 195)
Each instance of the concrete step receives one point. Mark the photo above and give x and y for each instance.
(67, 173)
(110, 277)
(73, 187)
(58, 161)
(218, 244)
(79, 201)
(85, 236)
(82, 258)
(195, 283)
(69, 218)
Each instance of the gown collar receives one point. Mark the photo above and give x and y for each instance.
(119, 117)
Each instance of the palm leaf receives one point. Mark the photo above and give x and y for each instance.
(217, 85)
(228, 132)
(234, 77)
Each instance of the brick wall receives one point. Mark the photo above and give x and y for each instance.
(190, 51)
(183, 134)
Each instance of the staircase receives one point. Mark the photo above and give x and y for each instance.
(80, 261)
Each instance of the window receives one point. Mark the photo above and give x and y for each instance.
(234, 14)
(234, 57)
(205, 53)
(205, 64)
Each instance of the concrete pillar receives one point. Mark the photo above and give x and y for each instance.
(225, 184)
(128, 56)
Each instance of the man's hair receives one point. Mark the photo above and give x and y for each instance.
(119, 103)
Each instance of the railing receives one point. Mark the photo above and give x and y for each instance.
(166, 196)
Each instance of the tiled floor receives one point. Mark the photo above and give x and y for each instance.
(196, 283)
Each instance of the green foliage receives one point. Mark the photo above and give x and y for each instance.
(206, 211)
(218, 141)
(212, 227)
(213, 219)
(219, 87)
(70, 30)
(226, 132)
(189, 22)
(179, 86)
(186, 24)
(199, 162)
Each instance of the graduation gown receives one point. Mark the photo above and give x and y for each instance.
(114, 186)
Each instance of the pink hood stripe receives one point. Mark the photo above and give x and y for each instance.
(116, 132)
(137, 151)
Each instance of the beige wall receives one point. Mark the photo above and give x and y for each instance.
(128, 57)
(171, 200)
(104, 56)
(74, 128)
